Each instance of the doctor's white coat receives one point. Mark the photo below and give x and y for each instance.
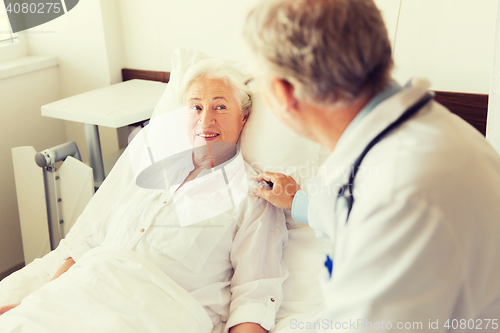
(421, 249)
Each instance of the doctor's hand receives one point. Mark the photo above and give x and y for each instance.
(283, 189)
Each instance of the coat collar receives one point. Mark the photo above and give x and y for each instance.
(354, 142)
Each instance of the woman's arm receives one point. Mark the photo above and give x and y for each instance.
(259, 271)
(102, 205)
(64, 267)
(6, 308)
(247, 328)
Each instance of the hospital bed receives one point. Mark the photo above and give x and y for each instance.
(266, 145)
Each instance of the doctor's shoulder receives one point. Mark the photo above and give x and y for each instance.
(446, 151)
(448, 161)
(436, 156)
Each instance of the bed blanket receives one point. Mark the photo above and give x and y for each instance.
(109, 290)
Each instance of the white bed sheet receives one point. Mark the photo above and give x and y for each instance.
(109, 290)
(304, 255)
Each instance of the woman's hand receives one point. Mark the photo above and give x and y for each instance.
(247, 328)
(283, 191)
(64, 267)
(6, 308)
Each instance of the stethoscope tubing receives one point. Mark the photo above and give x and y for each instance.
(346, 190)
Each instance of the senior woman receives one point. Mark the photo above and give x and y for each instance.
(229, 261)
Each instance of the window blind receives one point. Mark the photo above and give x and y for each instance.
(6, 35)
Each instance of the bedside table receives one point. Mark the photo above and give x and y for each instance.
(113, 106)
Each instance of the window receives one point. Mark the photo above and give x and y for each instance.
(12, 45)
(6, 35)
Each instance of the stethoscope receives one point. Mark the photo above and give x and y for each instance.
(346, 190)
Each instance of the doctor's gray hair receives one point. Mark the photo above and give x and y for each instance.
(331, 51)
(219, 69)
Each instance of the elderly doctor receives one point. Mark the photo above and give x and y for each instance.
(414, 212)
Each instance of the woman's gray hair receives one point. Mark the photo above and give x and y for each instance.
(330, 50)
(219, 69)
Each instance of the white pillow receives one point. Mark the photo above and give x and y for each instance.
(266, 144)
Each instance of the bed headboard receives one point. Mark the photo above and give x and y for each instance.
(131, 74)
(471, 107)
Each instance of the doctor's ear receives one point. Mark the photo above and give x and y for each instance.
(284, 91)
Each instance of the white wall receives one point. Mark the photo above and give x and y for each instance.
(112, 29)
(141, 39)
(15, 50)
(22, 125)
(493, 128)
(390, 11)
(87, 42)
(448, 41)
(153, 28)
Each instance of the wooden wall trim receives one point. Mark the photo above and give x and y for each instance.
(130, 74)
(471, 107)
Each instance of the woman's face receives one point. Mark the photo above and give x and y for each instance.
(214, 113)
